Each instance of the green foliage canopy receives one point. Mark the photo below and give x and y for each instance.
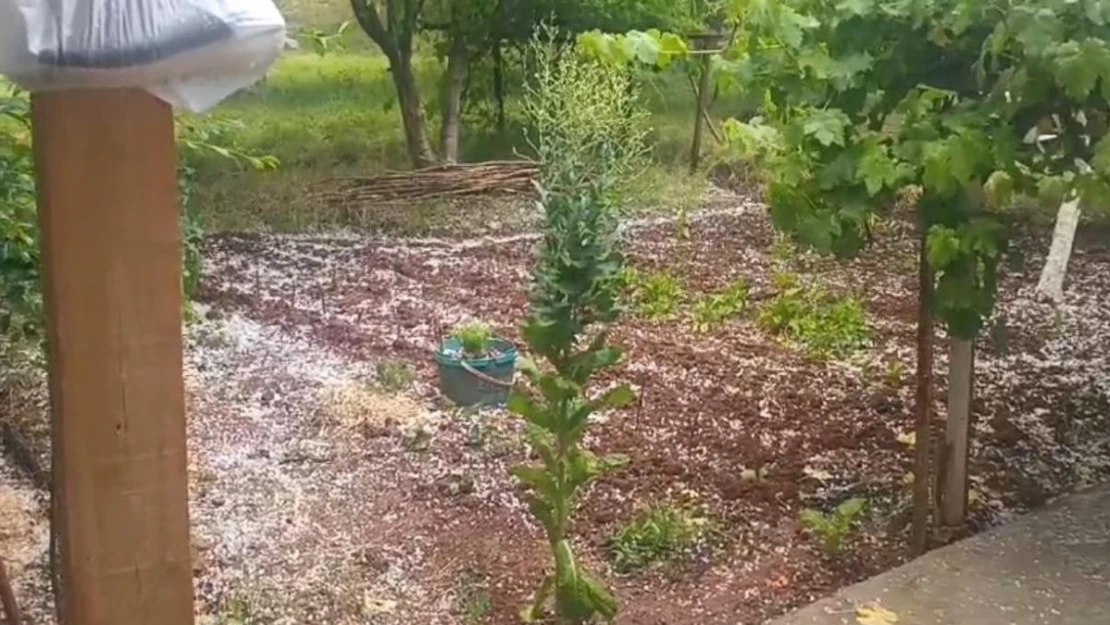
(970, 100)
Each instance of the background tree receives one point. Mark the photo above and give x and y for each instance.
(392, 24)
(466, 31)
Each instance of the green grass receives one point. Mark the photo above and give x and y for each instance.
(336, 116)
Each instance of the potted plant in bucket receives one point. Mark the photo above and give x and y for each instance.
(475, 367)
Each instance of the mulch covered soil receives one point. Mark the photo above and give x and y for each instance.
(319, 500)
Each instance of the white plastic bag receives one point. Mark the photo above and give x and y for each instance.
(191, 53)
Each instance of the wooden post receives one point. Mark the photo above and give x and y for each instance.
(919, 540)
(952, 476)
(111, 249)
(1055, 269)
(703, 100)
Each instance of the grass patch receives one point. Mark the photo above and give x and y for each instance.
(711, 311)
(337, 115)
(821, 324)
(395, 376)
(661, 534)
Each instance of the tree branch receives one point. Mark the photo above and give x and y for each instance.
(368, 19)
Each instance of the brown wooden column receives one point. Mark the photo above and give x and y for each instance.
(108, 194)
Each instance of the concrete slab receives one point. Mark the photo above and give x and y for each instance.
(1050, 567)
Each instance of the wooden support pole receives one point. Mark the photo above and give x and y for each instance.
(919, 539)
(702, 105)
(952, 475)
(107, 185)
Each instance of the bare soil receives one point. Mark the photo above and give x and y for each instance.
(319, 497)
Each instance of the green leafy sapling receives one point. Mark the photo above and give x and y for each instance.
(588, 137)
(833, 528)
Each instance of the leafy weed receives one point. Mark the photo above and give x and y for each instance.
(713, 310)
(833, 528)
(660, 534)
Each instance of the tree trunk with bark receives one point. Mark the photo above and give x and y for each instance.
(453, 84)
(1055, 269)
(412, 111)
(919, 541)
(952, 474)
(499, 86)
(393, 33)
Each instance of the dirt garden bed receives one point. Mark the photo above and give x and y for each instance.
(320, 497)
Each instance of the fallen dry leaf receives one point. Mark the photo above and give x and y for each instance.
(875, 614)
(372, 605)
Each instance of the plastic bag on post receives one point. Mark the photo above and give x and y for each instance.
(191, 53)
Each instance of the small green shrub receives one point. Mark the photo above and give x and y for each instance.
(660, 534)
(821, 324)
(475, 339)
(653, 296)
(394, 375)
(834, 527)
(713, 310)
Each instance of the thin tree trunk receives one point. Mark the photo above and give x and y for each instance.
(454, 82)
(1055, 269)
(499, 86)
(412, 110)
(923, 403)
(952, 476)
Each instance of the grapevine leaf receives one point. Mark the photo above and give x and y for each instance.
(1079, 66)
(641, 47)
(1101, 160)
(942, 247)
(827, 126)
(877, 169)
(671, 47)
(855, 7)
(999, 190)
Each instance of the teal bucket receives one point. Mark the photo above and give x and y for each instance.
(480, 381)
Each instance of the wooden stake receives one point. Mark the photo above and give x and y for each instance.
(111, 248)
(952, 476)
(703, 101)
(919, 540)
